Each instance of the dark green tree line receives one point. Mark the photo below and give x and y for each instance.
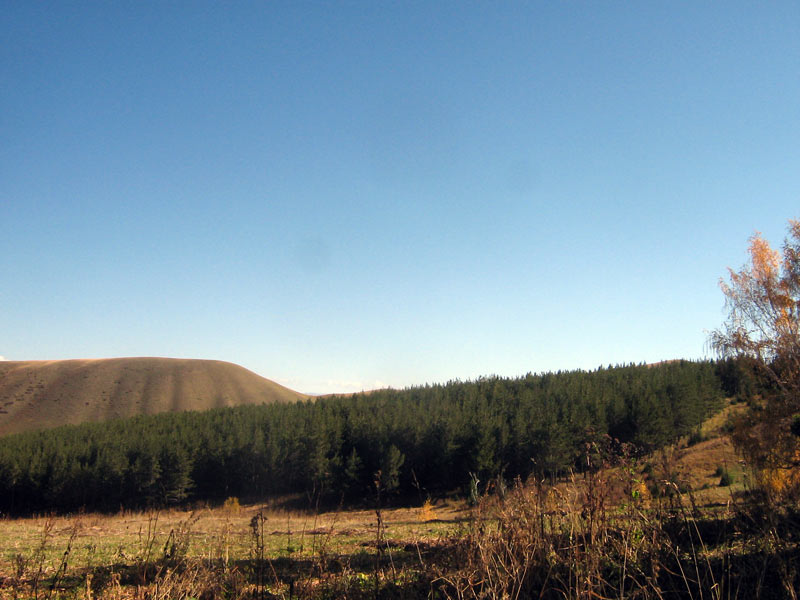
(431, 436)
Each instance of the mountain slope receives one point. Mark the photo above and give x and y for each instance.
(45, 394)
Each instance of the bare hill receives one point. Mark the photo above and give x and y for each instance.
(45, 394)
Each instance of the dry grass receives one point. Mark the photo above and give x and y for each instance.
(289, 532)
(133, 551)
(598, 534)
(44, 394)
(577, 540)
(569, 540)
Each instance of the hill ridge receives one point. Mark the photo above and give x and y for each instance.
(41, 394)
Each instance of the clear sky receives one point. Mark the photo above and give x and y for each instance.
(346, 195)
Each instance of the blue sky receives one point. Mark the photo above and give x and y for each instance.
(342, 196)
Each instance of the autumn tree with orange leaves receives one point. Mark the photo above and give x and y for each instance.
(763, 325)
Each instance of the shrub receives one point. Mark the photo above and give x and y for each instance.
(231, 505)
(426, 512)
(726, 478)
(696, 437)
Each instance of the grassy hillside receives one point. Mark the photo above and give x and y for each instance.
(45, 394)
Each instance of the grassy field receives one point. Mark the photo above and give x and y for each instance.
(223, 533)
(123, 554)
(663, 526)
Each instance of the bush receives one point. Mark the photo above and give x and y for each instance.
(795, 427)
(231, 505)
(726, 479)
(696, 437)
(426, 512)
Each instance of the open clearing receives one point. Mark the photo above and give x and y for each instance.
(120, 555)
(223, 533)
(269, 550)
(262, 549)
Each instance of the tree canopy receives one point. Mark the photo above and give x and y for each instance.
(763, 327)
(423, 440)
